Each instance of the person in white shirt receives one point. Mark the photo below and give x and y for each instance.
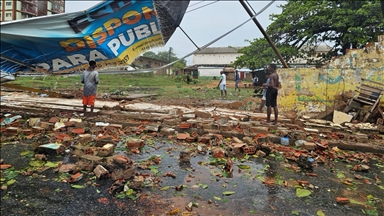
(222, 84)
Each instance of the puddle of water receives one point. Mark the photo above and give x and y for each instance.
(251, 195)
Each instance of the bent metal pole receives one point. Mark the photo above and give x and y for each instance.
(264, 33)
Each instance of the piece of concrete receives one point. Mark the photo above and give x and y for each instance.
(106, 150)
(67, 168)
(84, 139)
(152, 128)
(309, 146)
(51, 149)
(135, 143)
(100, 171)
(340, 117)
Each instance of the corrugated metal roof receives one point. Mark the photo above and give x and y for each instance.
(217, 50)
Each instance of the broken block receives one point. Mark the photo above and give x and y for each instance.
(152, 128)
(75, 177)
(235, 148)
(137, 182)
(309, 145)
(249, 150)
(101, 141)
(106, 150)
(167, 131)
(78, 130)
(51, 149)
(12, 131)
(123, 173)
(218, 152)
(67, 168)
(46, 125)
(84, 139)
(38, 130)
(184, 156)
(260, 153)
(135, 143)
(100, 171)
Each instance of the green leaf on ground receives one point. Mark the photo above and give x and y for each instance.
(121, 195)
(164, 188)
(356, 202)
(320, 213)
(11, 182)
(302, 192)
(340, 175)
(51, 164)
(216, 198)
(36, 163)
(370, 212)
(227, 193)
(381, 187)
(77, 186)
(27, 153)
(153, 169)
(243, 166)
(293, 212)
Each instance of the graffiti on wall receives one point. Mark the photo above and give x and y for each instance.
(311, 89)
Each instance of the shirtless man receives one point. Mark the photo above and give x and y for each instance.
(271, 95)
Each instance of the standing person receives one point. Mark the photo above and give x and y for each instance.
(237, 80)
(271, 95)
(90, 79)
(255, 80)
(264, 93)
(222, 84)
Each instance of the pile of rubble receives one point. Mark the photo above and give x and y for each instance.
(222, 133)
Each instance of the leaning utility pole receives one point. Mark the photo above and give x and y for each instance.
(264, 33)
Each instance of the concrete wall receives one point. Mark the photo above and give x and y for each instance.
(210, 71)
(221, 58)
(311, 90)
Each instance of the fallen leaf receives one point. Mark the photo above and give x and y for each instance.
(243, 166)
(174, 211)
(10, 182)
(164, 188)
(302, 192)
(51, 164)
(227, 193)
(216, 198)
(295, 212)
(36, 163)
(320, 213)
(77, 186)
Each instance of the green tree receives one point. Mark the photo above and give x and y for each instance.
(305, 24)
(259, 54)
(167, 56)
(345, 23)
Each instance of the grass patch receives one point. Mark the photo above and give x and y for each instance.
(163, 85)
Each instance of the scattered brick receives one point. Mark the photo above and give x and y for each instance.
(342, 200)
(100, 171)
(5, 166)
(78, 130)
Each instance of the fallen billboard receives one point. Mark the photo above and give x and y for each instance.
(112, 33)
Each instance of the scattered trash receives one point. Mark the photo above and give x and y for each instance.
(284, 140)
(299, 143)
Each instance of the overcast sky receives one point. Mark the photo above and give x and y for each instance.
(207, 23)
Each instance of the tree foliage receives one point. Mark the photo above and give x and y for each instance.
(345, 23)
(259, 54)
(306, 24)
(167, 56)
